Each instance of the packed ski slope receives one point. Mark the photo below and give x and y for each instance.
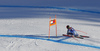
(26, 29)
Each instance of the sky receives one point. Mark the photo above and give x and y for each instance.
(64, 3)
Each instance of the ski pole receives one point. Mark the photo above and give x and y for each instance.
(81, 31)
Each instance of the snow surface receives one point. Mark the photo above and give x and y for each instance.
(26, 29)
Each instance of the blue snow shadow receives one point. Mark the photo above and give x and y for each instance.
(13, 12)
(80, 10)
(46, 38)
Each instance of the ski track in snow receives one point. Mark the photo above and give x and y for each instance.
(95, 40)
(58, 41)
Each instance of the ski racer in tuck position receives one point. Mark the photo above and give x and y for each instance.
(71, 32)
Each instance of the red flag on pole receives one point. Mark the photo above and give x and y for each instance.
(52, 22)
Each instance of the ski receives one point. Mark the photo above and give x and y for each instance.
(81, 36)
(71, 36)
(85, 36)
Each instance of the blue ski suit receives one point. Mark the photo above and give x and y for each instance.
(71, 31)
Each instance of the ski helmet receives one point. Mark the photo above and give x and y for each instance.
(67, 26)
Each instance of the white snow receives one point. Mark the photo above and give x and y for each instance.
(38, 25)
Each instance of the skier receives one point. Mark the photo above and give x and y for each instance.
(71, 31)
